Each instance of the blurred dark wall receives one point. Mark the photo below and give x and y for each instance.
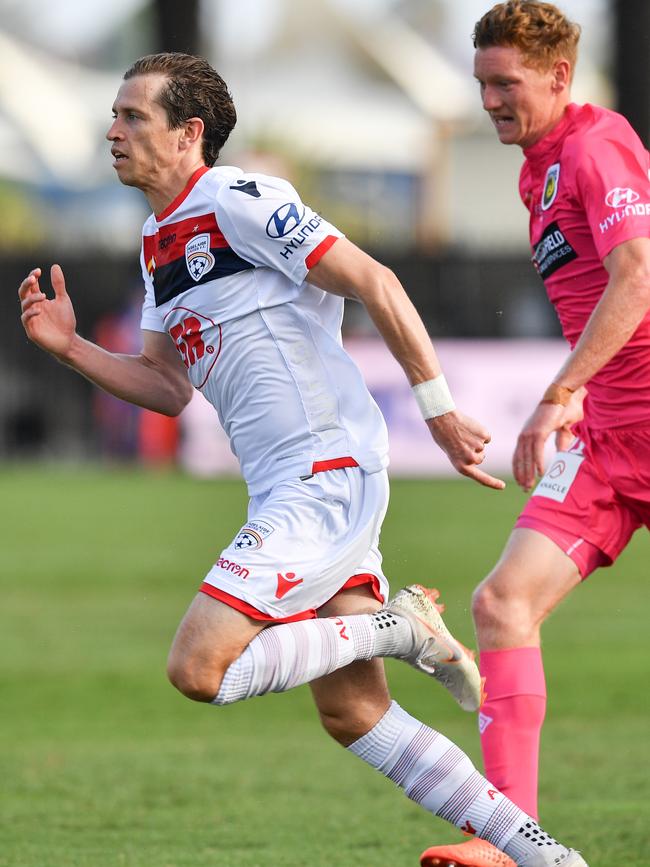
(46, 409)
(177, 26)
(632, 63)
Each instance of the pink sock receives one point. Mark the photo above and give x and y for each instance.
(511, 720)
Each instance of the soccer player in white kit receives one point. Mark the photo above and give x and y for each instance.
(244, 288)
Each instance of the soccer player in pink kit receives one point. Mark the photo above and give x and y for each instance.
(243, 300)
(585, 183)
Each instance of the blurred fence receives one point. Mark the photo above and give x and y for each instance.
(47, 411)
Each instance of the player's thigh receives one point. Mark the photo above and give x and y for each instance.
(353, 699)
(532, 576)
(209, 638)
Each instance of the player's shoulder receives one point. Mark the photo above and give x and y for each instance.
(239, 188)
(594, 130)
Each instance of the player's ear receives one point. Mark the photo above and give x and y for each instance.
(191, 132)
(561, 75)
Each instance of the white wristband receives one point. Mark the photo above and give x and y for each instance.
(433, 397)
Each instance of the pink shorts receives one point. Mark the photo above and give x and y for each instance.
(594, 496)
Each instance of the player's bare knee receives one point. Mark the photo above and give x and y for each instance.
(491, 608)
(192, 678)
(348, 725)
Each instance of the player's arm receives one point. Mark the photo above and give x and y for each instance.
(346, 270)
(622, 307)
(155, 379)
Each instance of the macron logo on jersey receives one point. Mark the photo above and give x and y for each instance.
(250, 188)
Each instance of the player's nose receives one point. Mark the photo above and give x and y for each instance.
(490, 97)
(113, 133)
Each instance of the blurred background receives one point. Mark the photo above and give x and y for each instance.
(369, 107)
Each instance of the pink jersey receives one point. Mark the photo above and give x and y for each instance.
(587, 188)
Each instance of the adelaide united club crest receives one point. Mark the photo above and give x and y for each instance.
(198, 257)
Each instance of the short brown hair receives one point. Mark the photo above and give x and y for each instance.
(541, 32)
(193, 89)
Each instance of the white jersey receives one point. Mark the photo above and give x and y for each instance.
(224, 268)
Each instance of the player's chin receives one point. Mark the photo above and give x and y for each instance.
(507, 132)
(125, 177)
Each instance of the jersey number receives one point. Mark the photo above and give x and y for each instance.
(187, 337)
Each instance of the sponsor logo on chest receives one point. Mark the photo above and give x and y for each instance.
(552, 251)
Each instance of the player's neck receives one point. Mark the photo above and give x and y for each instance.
(169, 187)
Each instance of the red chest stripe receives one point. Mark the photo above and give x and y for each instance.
(168, 244)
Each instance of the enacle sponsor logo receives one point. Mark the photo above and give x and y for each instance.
(557, 482)
(231, 566)
(549, 483)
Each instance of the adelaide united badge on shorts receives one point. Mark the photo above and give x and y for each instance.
(198, 257)
(550, 186)
(252, 535)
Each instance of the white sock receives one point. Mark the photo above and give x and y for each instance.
(290, 654)
(435, 773)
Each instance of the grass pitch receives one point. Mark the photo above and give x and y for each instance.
(105, 765)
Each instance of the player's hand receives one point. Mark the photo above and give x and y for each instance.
(528, 459)
(573, 413)
(463, 440)
(50, 323)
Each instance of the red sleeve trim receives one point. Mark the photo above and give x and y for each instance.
(318, 252)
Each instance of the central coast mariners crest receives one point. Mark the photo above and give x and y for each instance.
(198, 257)
(550, 186)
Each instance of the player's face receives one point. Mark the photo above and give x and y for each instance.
(523, 102)
(144, 149)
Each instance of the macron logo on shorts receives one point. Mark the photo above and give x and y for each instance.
(231, 566)
(285, 583)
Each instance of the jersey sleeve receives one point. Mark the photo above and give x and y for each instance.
(266, 223)
(613, 186)
(151, 320)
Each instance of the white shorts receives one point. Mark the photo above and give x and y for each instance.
(304, 541)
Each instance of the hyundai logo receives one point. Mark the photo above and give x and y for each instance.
(620, 196)
(284, 220)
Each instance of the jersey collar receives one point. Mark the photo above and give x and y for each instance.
(180, 198)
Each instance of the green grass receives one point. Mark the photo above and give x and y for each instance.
(105, 765)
